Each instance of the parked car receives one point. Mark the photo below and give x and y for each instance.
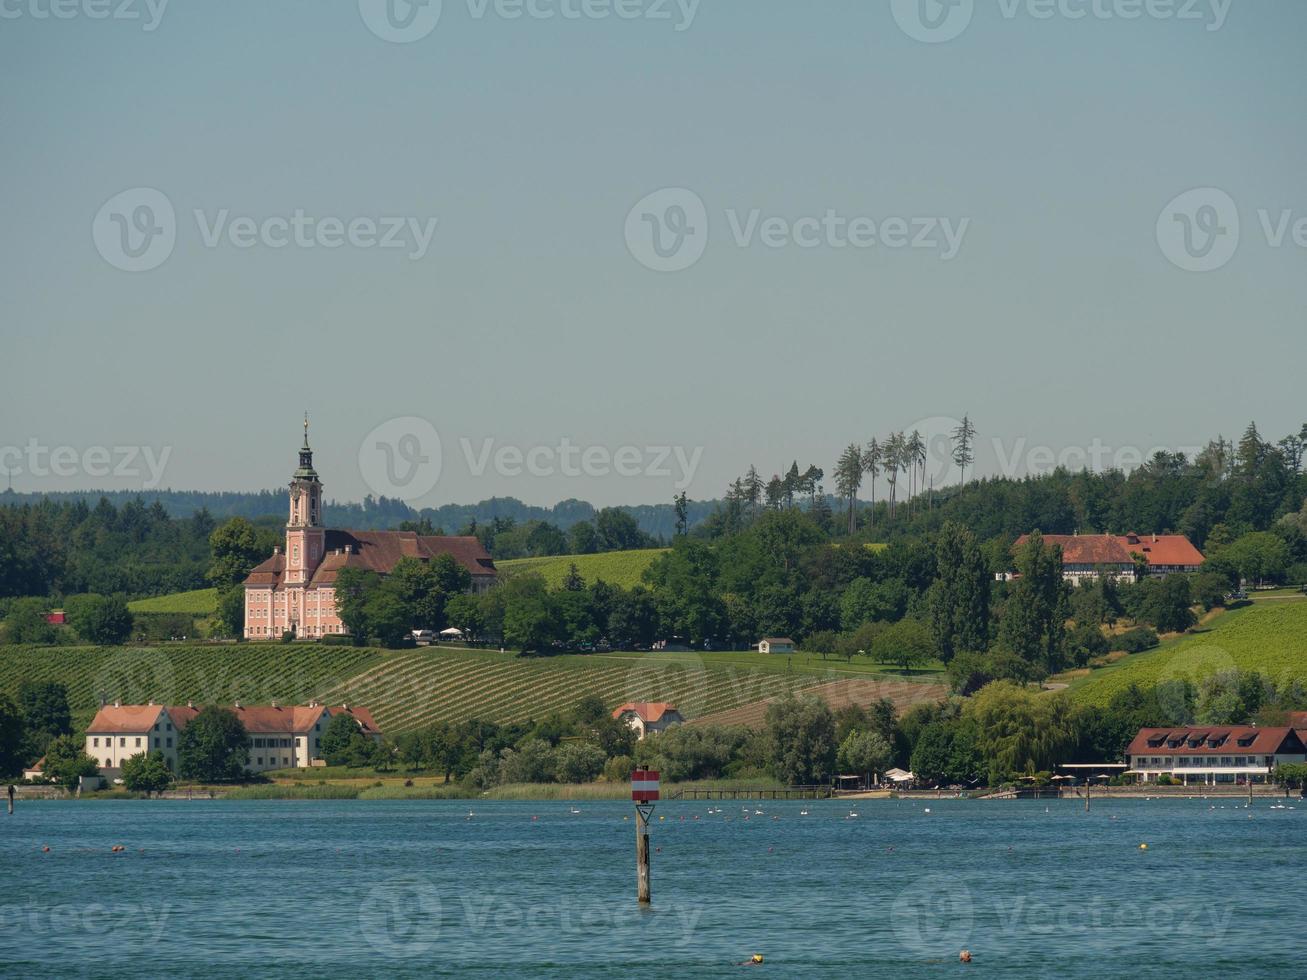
(423, 636)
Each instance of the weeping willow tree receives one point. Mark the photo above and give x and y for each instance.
(1019, 730)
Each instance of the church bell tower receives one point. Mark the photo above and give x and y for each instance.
(305, 535)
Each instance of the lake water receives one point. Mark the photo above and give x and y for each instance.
(361, 889)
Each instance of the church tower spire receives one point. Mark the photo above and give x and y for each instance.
(305, 535)
(306, 471)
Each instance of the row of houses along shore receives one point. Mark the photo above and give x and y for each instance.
(289, 737)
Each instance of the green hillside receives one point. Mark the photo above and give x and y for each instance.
(176, 673)
(1270, 637)
(623, 568)
(201, 602)
(409, 689)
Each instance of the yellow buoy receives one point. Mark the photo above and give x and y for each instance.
(1143, 847)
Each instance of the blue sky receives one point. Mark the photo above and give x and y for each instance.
(1060, 317)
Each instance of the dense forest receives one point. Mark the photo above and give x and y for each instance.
(374, 513)
(64, 544)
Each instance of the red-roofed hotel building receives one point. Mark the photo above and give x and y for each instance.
(1215, 754)
(295, 589)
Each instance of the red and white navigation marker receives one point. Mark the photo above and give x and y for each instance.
(644, 791)
(644, 785)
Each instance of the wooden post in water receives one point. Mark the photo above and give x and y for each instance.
(11, 798)
(642, 854)
(644, 793)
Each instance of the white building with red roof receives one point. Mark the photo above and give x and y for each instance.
(281, 736)
(648, 717)
(1213, 754)
(295, 590)
(1087, 556)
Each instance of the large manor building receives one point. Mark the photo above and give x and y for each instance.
(281, 736)
(295, 590)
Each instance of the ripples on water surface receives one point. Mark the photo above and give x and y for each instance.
(420, 888)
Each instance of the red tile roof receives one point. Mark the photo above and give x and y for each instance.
(362, 715)
(1163, 549)
(379, 551)
(181, 716)
(1108, 549)
(648, 711)
(268, 572)
(1085, 549)
(124, 718)
(1230, 739)
(257, 719)
(283, 719)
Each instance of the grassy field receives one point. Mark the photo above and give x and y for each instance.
(201, 602)
(624, 568)
(1267, 636)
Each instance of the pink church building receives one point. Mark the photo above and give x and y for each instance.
(295, 589)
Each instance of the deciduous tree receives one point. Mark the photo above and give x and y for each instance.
(146, 773)
(214, 747)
